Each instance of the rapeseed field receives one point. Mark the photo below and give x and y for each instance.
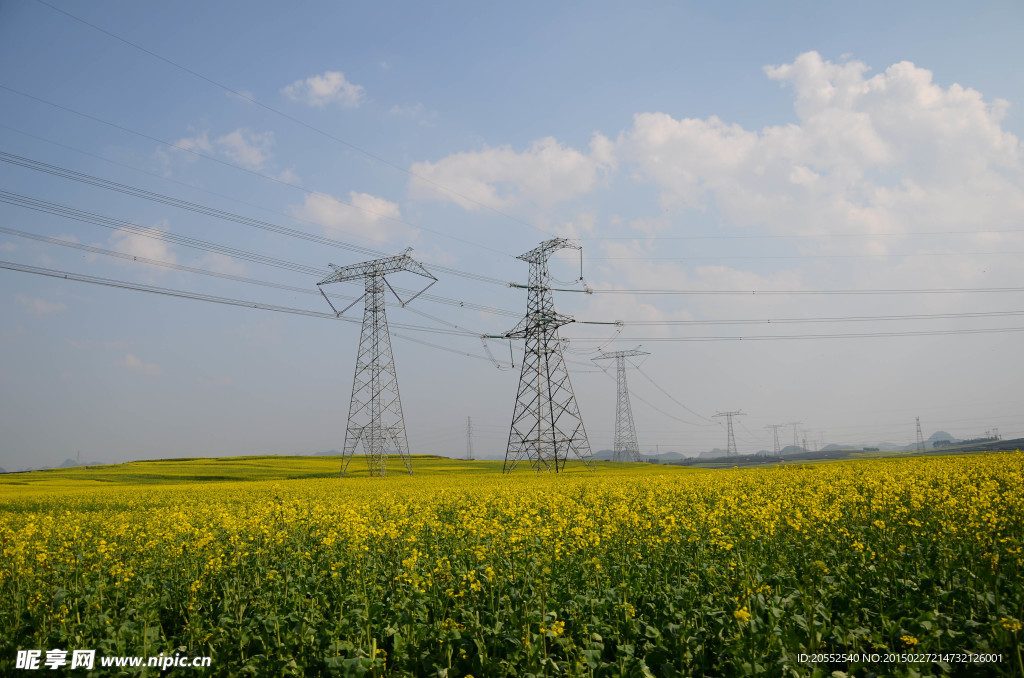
(634, 570)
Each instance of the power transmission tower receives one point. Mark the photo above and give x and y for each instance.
(920, 436)
(730, 445)
(775, 431)
(626, 447)
(546, 422)
(469, 438)
(375, 412)
(794, 424)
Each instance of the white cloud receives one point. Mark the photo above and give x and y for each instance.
(413, 111)
(199, 143)
(546, 173)
(366, 216)
(249, 149)
(436, 255)
(581, 224)
(320, 90)
(222, 263)
(890, 153)
(40, 307)
(142, 246)
(133, 363)
(289, 176)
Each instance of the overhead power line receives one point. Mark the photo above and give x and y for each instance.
(655, 407)
(268, 177)
(72, 175)
(798, 236)
(112, 223)
(772, 257)
(163, 264)
(167, 291)
(119, 224)
(851, 335)
(825, 319)
(672, 398)
(229, 301)
(202, 271)
(449, 349)
(251, 99)
(249, 256)
(765, 293)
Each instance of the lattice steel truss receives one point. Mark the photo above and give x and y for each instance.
(730, 444)
(375, 417)
(626, 447)
(775, 429)
(546, 422)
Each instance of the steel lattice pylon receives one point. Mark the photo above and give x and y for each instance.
(626, 447)
(375, 416)
(730, 444)
(546, 422)
(775, 429)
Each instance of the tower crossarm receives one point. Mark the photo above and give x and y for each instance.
(620, 354)
(536, 322)
(378, 268)
(540, 253)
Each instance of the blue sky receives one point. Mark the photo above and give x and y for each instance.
(797, 146)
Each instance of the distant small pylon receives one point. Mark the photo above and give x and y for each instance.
(625, 447)
(920, 436)
(730, 444)
(796, 442)
(775, 431)
(469, 438)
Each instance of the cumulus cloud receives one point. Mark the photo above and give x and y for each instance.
(142, 246)
(133, 363)
(546, 173)
(365, 215)
(413, 111)
(248, 149)
(893, 152)
(320, 90)
(222, 263)
(40, 307)
(200, 143)
(244, 147)
(289, 176)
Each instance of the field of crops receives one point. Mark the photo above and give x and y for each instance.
(632, 570)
